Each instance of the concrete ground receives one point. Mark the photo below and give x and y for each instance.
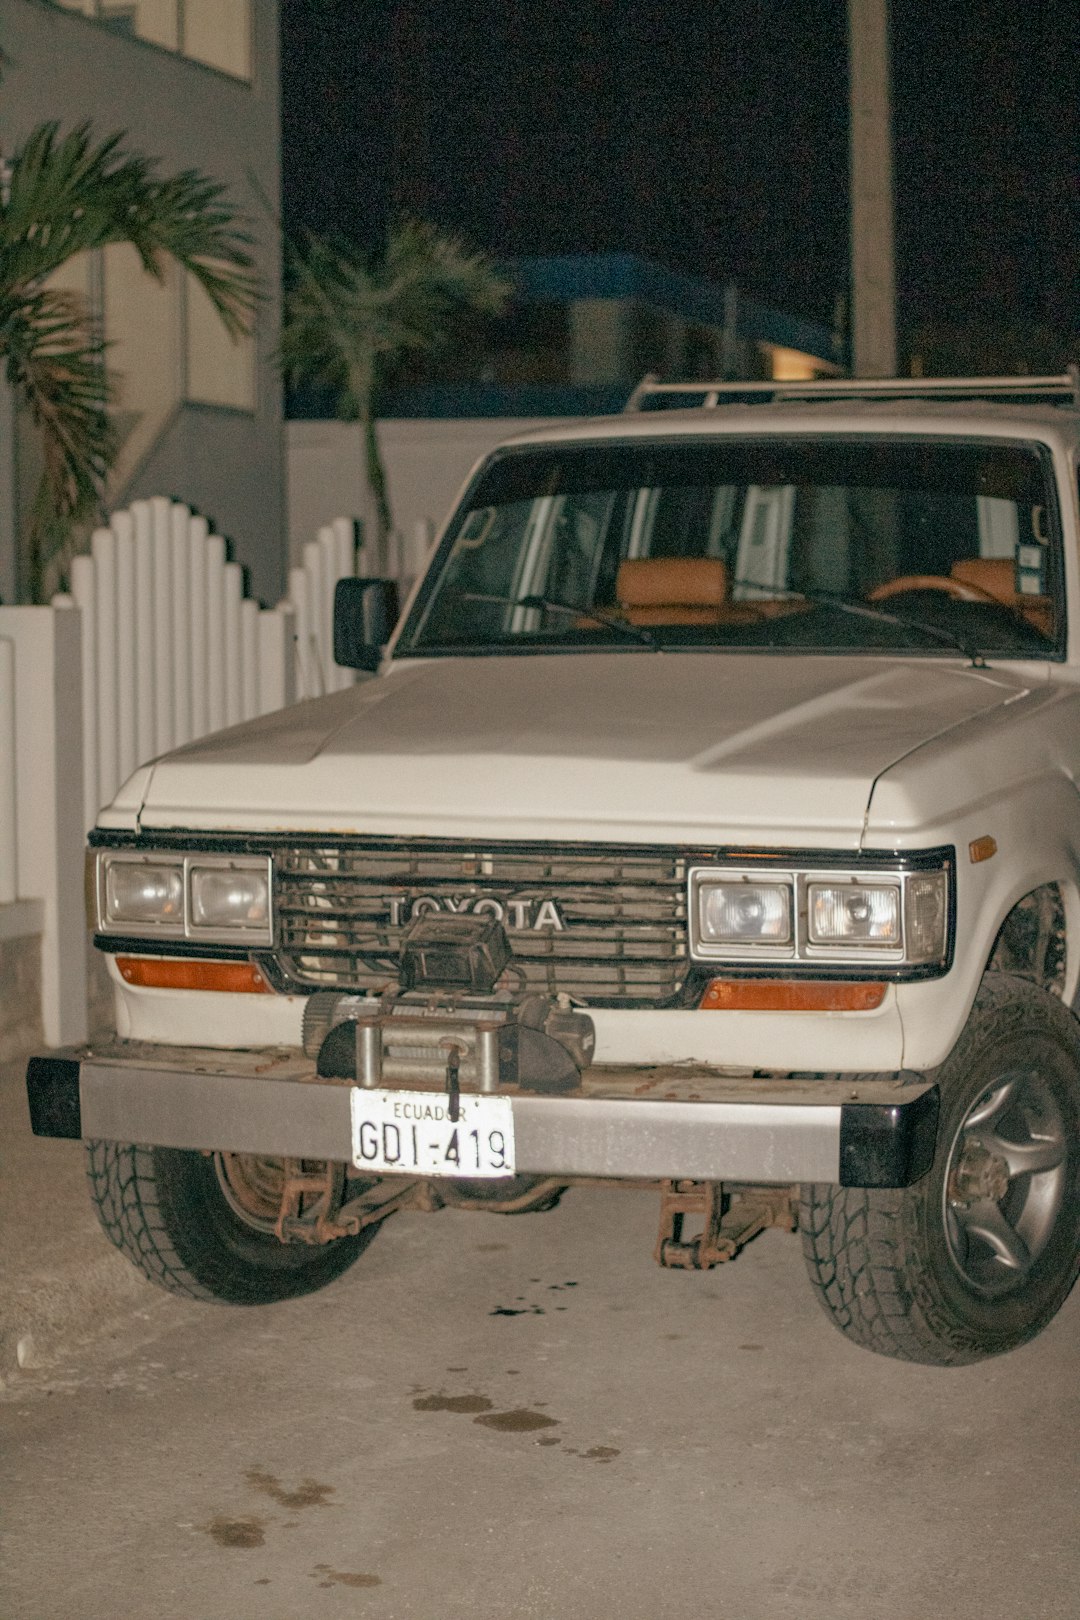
(497, 1416)
(59, 1279)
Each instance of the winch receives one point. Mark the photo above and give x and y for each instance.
(451, 1020)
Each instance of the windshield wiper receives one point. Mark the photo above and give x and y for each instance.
(611, 621)
(843, 604)
(864, 610)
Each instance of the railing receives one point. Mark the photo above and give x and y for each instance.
(650, 393)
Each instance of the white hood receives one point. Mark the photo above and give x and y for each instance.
(670, 747)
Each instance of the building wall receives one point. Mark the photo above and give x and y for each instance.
(426, 464)
(225, 461)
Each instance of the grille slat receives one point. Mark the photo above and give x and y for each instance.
(342, 908)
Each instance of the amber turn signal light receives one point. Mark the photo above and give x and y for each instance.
(791, 995)
(169, 973)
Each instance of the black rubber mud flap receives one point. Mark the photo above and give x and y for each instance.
(888, 1144)
(52, 1089)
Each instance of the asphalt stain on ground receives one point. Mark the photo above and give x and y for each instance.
(309, 1493)
(521, 1307)
(520, 1420)
(452, 1403)
(343, 1577)
(600, 1454)
(243, 1533)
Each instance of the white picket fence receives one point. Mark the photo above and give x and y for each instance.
(155, 646)
(171, 647)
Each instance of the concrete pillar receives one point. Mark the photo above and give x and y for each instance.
(9, 506)
(873, 271)
(600, 341)
(51, 834)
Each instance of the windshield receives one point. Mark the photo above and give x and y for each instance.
(837, 546)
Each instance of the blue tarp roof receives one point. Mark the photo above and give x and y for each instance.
(563, 278)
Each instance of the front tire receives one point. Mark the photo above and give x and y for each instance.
(978, 1256)
(201, 1226)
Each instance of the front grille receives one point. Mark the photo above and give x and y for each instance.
(342, 907)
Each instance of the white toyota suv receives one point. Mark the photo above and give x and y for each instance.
(709, 822)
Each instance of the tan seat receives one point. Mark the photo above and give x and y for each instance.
(997, 577)
(994, 575)
(676, 590)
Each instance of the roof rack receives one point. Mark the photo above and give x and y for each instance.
(711, 394)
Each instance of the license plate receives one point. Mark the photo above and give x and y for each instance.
(411, 1132)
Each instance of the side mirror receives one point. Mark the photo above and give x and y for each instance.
(365, 612)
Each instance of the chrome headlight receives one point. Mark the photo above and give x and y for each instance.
(230, 897)
(138, 893)
(819, 916)
(737, 915)
(209, 898)
(853, 914)
(744, 912)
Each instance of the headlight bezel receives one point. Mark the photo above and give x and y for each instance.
(111, 923)
(702, 879)
(853, 958)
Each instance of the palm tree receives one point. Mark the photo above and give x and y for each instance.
(349, 318)
(62, 195)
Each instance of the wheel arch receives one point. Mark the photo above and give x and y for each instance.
(1036, 937)
(993, 918)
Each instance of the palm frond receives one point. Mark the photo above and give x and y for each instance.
(56, 364)
(434, 273)
(349, 317)
(334, 325)
(70, 195)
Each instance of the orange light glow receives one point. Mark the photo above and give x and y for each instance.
(169, 973)
(791, 995)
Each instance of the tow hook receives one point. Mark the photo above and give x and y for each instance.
(729, 1221)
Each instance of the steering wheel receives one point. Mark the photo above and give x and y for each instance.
(958, 589)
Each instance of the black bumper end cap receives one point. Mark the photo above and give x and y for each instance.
(888, 1144)
(52, 1088)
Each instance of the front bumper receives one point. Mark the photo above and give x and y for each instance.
(670, 1123)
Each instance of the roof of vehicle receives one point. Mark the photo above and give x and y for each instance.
(1043, 408)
